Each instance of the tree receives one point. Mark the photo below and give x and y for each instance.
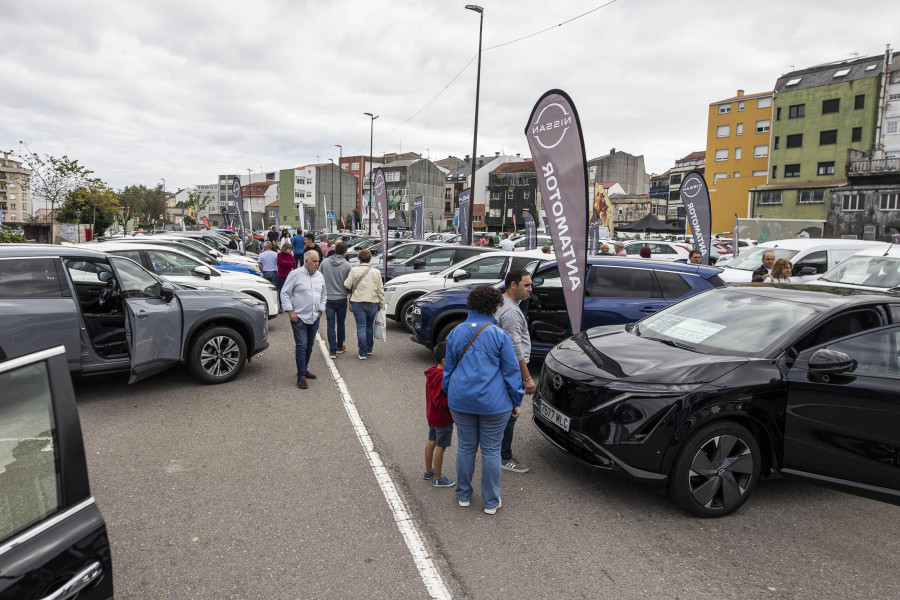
(195, 203)
(98, 204)
(53, 178)
(141, 202)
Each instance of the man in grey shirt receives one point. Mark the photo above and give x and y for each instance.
(511, 320)
(335, 269)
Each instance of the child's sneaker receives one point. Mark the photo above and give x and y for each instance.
(428, 475)
(444, 481)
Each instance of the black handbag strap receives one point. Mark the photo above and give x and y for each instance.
(470, 342)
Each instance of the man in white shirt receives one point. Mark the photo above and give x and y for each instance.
(303, 297)
(506, 243)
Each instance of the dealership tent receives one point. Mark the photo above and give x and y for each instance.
(648, 224)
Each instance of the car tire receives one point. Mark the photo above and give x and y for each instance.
(405, 313)
(445, 331)
(217, 355)
(716, 470)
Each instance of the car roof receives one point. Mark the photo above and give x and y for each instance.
(107, 246)
(53, 250)
(892, 251)
(823, 295)
(825, 243)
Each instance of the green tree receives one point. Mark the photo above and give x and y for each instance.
(98, 205)
(143, 203)
(53, 178)
(196, 203)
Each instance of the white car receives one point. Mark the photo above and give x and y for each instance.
(659, 250)
(872, 269)
(199, 244)
(182, 268)
(489, 268)
(810, 257)
(542, 240)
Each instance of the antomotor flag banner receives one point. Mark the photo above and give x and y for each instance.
(418, 223)
(239, 205)
(554, 136)
(695, 197)
(530, 231)
(464, 208)
(381, 206)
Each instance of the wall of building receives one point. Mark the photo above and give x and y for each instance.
(625, 168)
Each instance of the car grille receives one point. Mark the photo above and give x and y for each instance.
(573, 397)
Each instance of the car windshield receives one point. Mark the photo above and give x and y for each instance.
(750, 260)
(874, 271)
(726, 321)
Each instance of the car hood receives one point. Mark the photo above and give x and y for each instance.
(610, 352)
(411, 277)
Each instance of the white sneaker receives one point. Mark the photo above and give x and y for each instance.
(463, 502)
(491, 511)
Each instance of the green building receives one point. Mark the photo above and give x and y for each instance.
(818, 114)
(317, 188)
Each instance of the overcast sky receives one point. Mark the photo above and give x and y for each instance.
(186, 90)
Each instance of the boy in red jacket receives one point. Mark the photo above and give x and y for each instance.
(440, 423)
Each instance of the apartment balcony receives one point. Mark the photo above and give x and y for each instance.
(874, 166)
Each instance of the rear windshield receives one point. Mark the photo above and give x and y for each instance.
(750, 260)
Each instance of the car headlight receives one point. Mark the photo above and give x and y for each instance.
(429, 298)
(662, 389)
(390, 288)
(250, 301)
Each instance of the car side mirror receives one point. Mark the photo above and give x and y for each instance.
(807, 271)
(418, 263)
(830, 362)
(537, 281)
(390, 257)
(459, 274)
(166, 291)
(202, 271)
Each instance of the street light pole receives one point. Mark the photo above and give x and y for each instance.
(371, 137)
(165, 214)
(471, 211)
(340, 180)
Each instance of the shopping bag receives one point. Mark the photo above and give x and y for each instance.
(380, 331)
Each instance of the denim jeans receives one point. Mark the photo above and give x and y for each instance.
(335, 310)
(304, 342)
(364, 313)
(473, 431)
(506, 444)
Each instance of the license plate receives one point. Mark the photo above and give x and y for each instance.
(554, 416)
(417, 310)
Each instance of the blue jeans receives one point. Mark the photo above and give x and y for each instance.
(304, 342)
(364, 313)
(473, 431)
(506, 444)
(335, 309)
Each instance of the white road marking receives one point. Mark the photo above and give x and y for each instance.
(427, 570)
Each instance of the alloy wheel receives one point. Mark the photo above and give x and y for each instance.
(721, 472)
(220, 356)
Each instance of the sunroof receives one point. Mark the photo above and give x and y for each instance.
(841, 73)
(794, 81)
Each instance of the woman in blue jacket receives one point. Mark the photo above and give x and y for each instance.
(484, 387)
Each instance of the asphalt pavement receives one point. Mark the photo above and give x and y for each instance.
(255, 489)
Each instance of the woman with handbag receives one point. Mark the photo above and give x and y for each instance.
(484, 388)
(366, 299)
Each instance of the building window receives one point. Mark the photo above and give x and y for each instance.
(826, 168)
(761, 173)
(672, 196)
(778, 114)
(828, 136)
(509, 194)
(724, 108)
(859, 101)
(770, 198)
(856, 135)
(775, 142)
(762, 126)
(736, 174)
(793, 82)
(774, 171)
(796, 111)
(737, 154)
(841, 73)
(850, 202)
(495, 195)
(719, 176)
(792, 170)
(723, 130)
(527, 195)
(675, 179)
(892, 126)
(740, 106)
(889, 202)
(795, 140)
(811, 197)
(354, 166)
(739, 129)
(296, 194)
(764, 102)
(721, 155)
(392, 176)
(832, 105)
(760, 151)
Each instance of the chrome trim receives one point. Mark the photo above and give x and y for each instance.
(75, 585)
(44, 526)
(34, 357)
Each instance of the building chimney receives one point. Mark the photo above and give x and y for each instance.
(740, 93)
(612, 151)
(496, 154)
(467, 157)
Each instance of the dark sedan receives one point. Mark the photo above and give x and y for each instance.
(436, 258)
(731, 385)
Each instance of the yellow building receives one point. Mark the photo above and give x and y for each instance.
(737, 154)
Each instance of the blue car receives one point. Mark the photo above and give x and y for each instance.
(618, 290)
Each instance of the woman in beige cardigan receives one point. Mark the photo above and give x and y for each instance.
(366, 299)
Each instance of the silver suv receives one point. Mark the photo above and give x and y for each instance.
(113, 315)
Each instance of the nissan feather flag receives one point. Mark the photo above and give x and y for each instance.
(239, 205)
(464, 197)
(695, 197)
(735, 238)
(530, 231)
(431, 216)
(554, 137)
(381, 207)
(205, 220)
(418, 223)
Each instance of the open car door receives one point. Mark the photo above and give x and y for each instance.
(154, 324)
(53, 540)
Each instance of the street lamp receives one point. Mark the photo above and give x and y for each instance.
(371, 191)
(340, 180)
(471, 211)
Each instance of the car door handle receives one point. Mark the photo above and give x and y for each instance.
(77, 583)
(143, 314)
(649, 309)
